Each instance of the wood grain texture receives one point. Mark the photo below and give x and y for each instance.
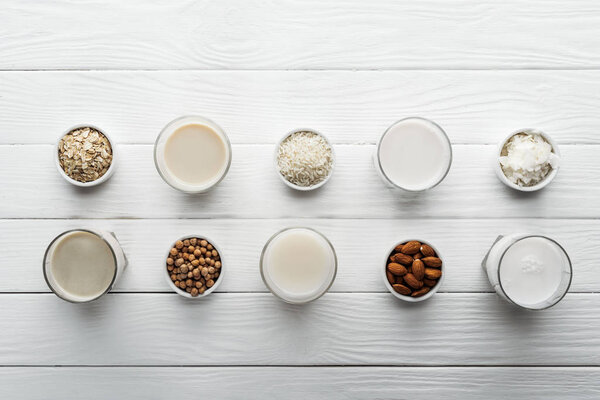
(258, 329)
(294, 34)
(479, 107)
(361, 246)
(33, 188)
(546, 383)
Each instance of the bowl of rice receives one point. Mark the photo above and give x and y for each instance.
(304, 159)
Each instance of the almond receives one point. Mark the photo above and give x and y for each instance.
(390, 277)
(418, 269)
(398, 248)
(397, 269)
(402, 259)
(412, 281)
(432, 273)
(402, 289)
(400, 280)
(418, 256)
(427, 251)
(432, 262)
(429, 282)
(411, 247)
(420, 292)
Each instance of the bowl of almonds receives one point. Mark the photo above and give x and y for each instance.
(413, 270)
(84, 156)
(194, 266)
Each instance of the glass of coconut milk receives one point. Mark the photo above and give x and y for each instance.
(298, 265)
(413, 154)
(531, 271)
(82, 265)
(192, 154)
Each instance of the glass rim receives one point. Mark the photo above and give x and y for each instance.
(442, 177)
(211, 124)
(568, 263)
(266, 246)
(46, 258)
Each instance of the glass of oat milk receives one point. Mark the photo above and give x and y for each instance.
(414, 154)
(192, 154)
(531, 271)
(82, 265)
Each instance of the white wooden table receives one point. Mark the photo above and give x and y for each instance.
(480, 68)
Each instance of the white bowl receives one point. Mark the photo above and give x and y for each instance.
(290, 184)
(168, 274)
(103, 178)
(408, 298)
(546, 181)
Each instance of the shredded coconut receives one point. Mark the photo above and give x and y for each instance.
(527, 159)
(305, 158)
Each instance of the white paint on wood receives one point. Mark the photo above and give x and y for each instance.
(259, 329)
(533, 383)
(33, 188)
(298, 34)
(260, 106)
(360, 245)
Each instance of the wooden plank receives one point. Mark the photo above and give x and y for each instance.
(299, 383)
(258, 329)
(33, 188)
(260, 106)
(360, 245)
(240, 34)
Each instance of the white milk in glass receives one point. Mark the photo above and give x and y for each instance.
(413, 154)
(298, 265)
(192, 154)
(80, 266)
(533, 272)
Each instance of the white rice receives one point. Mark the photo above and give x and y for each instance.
(305, 158)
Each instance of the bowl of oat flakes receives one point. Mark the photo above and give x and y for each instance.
(84, 155)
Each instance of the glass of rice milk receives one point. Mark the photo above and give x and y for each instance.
(531, 271)
(414, 154)
(82, 265)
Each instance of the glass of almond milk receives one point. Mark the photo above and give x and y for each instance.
(298, 265)
(414, 154)
(531, 271)
(82, 265)
(192, 154)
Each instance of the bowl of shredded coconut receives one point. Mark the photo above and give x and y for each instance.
(528, 160)
(304, 159)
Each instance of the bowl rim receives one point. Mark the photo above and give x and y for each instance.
(183, 292)
(292, 185)
(409, 299)
(98, 181)
(542, 184)
(172, 182)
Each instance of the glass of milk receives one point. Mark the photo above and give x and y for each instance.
(413, 154)
(298, 265)
(192, 154)
(531, 271)
(82, 265)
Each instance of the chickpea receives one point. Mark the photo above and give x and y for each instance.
(184, 269)
(204, 271)
(191, 257)
(197, 253)
(210, 283)
(214, 253)
(173, 277)
(186, 242)
(198, 285)
(211, 270)
(179, 244)
(217, 264)
(190, 274)
(194, 292)
(179, 262)
(193, 241)
(195, 263)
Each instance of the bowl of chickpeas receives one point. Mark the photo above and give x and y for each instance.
(194, 266)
